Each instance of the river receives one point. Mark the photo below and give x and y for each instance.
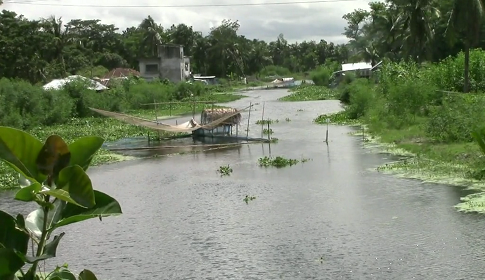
(333, 217)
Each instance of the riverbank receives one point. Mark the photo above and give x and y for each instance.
(112, 130)
(460, 163)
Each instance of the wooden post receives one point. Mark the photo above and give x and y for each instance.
(156, 117)
(155, 109)
(170, 108)
(269, 134)
(249, 116)
(193, 107)
(262, 122)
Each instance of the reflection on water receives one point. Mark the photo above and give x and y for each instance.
(140, 147)
(333, 217)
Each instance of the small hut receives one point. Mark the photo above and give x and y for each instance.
(211, 115)
(218, 121)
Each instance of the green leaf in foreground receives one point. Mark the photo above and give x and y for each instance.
(53, 156)
(28, 193)
(11, 237)
(10, 263)
(62, 273)
(49, 250)
(87, 275)
(84, 149)
(105, 206)
(77, 184)
(20, 149)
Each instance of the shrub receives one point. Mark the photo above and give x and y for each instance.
(321, 76)
(457, 118)
(25, 106)
(360, 95)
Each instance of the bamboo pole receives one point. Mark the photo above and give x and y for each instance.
(249, 116)
(262, 121)
(269, 134)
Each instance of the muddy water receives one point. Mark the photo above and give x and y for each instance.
(333, 217)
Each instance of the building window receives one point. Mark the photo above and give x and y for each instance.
(151, 68)
(186, 66)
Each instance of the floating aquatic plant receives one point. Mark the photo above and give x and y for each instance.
(276, 162)
(266, 122)
(249, 198)
(225, 170)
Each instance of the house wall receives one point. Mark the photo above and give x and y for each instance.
(149, 68)
(172, 69)
(170, 64)
(173, 63)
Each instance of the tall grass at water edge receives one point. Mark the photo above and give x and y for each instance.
(415, 108)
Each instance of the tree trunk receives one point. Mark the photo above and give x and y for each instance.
(466, 86)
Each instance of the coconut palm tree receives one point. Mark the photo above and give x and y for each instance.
(152, 38)
(465, 19)
(55, 27)
(417, 17)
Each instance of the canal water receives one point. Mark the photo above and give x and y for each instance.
(332, 217)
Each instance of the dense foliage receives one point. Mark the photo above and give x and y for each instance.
(422, 30)
(40, 50)
(25, 106)
(408, 94)
(408, 108)
(53, 175)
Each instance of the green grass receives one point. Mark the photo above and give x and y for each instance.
(311, 93)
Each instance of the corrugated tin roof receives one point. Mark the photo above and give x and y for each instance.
(59, 83)
(356, 66)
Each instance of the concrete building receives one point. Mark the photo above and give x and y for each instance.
(170, 64)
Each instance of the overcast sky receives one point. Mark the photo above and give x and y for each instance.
(297, 21)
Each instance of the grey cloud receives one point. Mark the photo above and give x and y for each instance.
(297, 23)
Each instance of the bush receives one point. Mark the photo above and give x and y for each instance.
(455, 120)
(25, 106)
(361, 96)
(321, 76)
(448, 74)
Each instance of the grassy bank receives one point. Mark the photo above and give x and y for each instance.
(310, 93)
(66, 112)
(413, 110)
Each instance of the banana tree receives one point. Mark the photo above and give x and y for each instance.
(53, 175)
